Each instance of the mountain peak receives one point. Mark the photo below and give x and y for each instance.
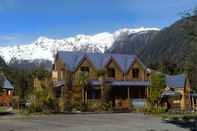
(42, 39)
(44, 47)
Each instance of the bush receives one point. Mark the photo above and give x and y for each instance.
(94, 105)
(106, 106)
(41, 100)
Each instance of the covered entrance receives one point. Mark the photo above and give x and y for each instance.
(126, 97)
(122, 94)
(129, 94)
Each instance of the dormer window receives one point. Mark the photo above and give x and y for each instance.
(135, 73)
(84, 69)
(111, 72)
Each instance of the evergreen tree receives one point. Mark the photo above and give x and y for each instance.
(156, 88)
(190, 59)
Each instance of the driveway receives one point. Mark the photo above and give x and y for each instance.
(88, 122)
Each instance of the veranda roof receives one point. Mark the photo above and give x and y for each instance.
(119, 83)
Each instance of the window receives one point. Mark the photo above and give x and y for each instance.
(135, 73)
(61, 74)
(84, 69)
(94, 94)
(8, 92)
(58, 92)
(111, 72)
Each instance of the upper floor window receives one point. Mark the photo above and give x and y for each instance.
(61, 74)
(111, 72)
(84, 69)
(135, 73)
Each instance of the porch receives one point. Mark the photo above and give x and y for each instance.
(121, 94)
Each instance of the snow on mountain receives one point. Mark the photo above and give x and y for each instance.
(45, 48)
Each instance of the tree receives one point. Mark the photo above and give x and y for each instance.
(191, 66)
(104, 89)
(101, 75)
(40, 73)
(76, 99)
(156, 88)
(68, 99)
(41, 99)
(83, 83)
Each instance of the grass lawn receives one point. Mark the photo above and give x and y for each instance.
(184, 120)
(2, 109)
(179, 116)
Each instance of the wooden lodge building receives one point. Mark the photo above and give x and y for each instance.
(125, 76)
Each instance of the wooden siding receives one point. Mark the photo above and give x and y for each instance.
(62, 72)
(118, 72)
(142, 75)
(85, 63)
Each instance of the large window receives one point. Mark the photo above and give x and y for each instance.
(61, 74)
(111, 72)
(135, 73)
(84, 69)
(94, 94)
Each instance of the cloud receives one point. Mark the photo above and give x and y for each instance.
(8, 37)
(13, 39)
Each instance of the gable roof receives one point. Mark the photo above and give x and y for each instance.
(72, 59)
(177, 81)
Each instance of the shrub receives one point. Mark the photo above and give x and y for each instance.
(106, 106)
(94, 105)
(41, 100)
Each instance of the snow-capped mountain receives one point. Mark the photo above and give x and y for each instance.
(45, 48)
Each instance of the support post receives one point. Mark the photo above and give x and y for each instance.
(129, 100)
(193, 105)
(86, 97)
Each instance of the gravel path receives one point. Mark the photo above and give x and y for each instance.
(89, 122)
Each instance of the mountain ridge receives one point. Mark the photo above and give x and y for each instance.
(45, 48)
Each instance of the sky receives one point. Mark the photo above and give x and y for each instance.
(23, 21)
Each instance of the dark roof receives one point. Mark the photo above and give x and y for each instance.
(176, 81)
(170, 93)
(7, 85)
(5, 82)
(122, 83)
(99, 60)
(131, 83)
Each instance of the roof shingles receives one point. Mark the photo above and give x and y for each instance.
(72, 59)
(177, 81)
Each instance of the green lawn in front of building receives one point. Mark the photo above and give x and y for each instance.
(2, 109)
